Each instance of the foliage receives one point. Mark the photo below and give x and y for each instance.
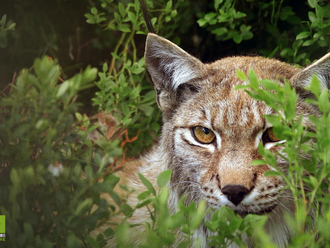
(4, 28)
(275, 22)
(311, 203)
(164, 225)
(124, 89)
(49, 168)
(228, 20)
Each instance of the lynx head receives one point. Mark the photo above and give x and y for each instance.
(211, 131)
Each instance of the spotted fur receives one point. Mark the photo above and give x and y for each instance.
(192, 94)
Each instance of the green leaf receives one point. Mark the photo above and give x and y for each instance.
(144, 203)
(319, 12)
(163, 197)
(89, 172)
(115, 197)
(164, 178)
(78, 116)
(174, 13)
(122, 232)
(28, 231)
(3, 20)
(109, 232)
(83, 206)
(94, 10)
(127, 210)
(237, 38)
(148, 110)
(324, 101)
(312, 17)
(312, 3)
(72, 241)
(217, 3)
(247, 35)
(254, 95)
(314, 86)
(117, 18)
(303, 35)
(234, 224)
(132, 17)
(271, 55)
(137, 6)
(147, 184)
(144, 195)
(241, 75)
(124, 28)
(110, 182)
(125, 109)
(201, 22)
(135, 92)
(121, 9)
(271, 174)
(168, 6)
(105, 67)
(62, 89)
(155, 126)
(210, 16)
(92, 242)
(88, 75)
(308, 43)
(239, 15)
(258, 162)
(198, 216)
(313, 181)
(21, 130)
(253, 80)
(268, 84)
(90, 19)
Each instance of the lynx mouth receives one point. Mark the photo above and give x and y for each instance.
(262, 211)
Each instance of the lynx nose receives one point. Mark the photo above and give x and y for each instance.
(235, 193)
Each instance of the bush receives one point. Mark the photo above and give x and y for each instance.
(308, 164)
(49, 167)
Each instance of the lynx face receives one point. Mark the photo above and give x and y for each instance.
(211, 131)
(214, 144)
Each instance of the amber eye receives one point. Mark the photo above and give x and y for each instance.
(268, 136)
(203, 135)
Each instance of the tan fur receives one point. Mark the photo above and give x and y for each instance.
(192, 94)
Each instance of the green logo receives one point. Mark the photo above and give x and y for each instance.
(2, 228)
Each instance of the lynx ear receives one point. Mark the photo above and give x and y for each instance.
(172, 71)
(321, 68)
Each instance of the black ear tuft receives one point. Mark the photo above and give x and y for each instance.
(146, 16)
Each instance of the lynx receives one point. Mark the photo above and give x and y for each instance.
(211, 134)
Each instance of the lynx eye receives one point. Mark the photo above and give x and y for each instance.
(203, 135)
(268, 136)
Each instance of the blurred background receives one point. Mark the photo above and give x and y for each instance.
(59, 29)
